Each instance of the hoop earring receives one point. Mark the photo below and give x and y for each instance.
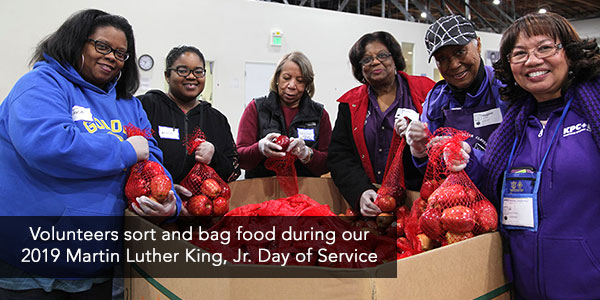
(118, 77)
(82, 61)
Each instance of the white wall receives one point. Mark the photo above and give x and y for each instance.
(589, 28)
(228, 32)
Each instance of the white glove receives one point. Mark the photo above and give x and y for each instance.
(457, 164)
(367, 207)
(268, 148)
(400, 126)
(298, 148)
(204, 152)
(183, 191)
(140, 145)
(150, 208)
(416, 138)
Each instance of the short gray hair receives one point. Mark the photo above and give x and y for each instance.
(305, 67)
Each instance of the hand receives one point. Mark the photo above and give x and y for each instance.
(416, 138)
(298, 148)
(268, 148)
(457, 164)
(140, 145)
(204, 152)
(150, 208)
(437, 141)
(367, 207)
(400, 126)
(183, 191)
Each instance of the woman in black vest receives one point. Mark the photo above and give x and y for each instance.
(287, 110)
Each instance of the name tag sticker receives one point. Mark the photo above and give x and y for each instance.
(306, 134)
(488, 117)
(168, 133)
(517, 211)
(79, 113)
(406, 112)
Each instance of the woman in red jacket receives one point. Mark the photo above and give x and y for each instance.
(361, 138)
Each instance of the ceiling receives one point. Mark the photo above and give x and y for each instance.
(483, 13)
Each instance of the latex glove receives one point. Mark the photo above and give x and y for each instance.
(204, 153)
(437, 141)
(416, 138)
(367, 207)
(140, 145)
(150, 208)
(268, 148)
(400, 126)
(298, 148)
(457, 164)
(182, 191)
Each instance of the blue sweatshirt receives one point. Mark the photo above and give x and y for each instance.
(63, 149)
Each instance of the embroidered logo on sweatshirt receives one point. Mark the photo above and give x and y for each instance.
(575, 129)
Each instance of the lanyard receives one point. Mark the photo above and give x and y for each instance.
(562, 118)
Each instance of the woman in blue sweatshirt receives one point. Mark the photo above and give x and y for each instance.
(65, 153)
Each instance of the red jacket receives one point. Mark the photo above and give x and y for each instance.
(358, 101)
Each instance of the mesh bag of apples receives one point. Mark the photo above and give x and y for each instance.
(284, 167)
(146, 178)
(210, 194)
(451, 208)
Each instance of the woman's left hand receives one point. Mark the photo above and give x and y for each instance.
(204, 152)
(150, 208)
(457, 164)
(298, 148)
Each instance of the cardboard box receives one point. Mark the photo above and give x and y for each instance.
(467, 270)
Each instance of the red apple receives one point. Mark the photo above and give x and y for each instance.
(427, 188)
(199, 206)
(430, 224)
(160, 187)
(282, 141)
(220, 206)
(210, 188)
(151, 169)
(485, 216)
(458, 219)
(225, 192)
(351, 214)
(385, 203)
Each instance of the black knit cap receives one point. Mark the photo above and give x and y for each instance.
(447, 31)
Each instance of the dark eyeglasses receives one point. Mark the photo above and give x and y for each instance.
(367, 60)
(104, 48)
(185, 71)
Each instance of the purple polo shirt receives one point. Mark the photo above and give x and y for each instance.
(379, 126)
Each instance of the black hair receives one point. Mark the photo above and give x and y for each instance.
(176, 52)
(358, 51)
(583, 55)
(66, 44)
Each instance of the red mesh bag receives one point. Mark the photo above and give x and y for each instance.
(284, 169)
(392, 192)
(146, 178)
(204, 180)
(455, 209)
(302, 214)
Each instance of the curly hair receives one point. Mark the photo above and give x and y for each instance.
(358, 51)
(66, 45)
(583, 54)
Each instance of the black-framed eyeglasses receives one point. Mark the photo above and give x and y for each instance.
(381, 57)
(182, 71)
(521, 55)
(103, 48)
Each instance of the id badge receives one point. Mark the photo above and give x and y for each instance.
(519, 200)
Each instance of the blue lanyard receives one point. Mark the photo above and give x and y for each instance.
(512, 152)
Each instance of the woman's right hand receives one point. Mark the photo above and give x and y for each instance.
(367, 207)
(140, 145)
(268, 148)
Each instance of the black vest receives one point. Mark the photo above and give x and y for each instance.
(271, 119)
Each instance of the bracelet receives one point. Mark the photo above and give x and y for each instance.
(309, 157)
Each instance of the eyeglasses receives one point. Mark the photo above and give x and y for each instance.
(104, 48)
(381, 57)
(443, 61)
(185, 71)
(520, 55)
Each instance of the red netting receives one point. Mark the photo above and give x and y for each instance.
(285, 170)
(392, 192)
(202, 180)
(300, 214)
(146, 178)
(455, 208)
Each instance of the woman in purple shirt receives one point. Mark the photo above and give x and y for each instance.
(543, 161)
